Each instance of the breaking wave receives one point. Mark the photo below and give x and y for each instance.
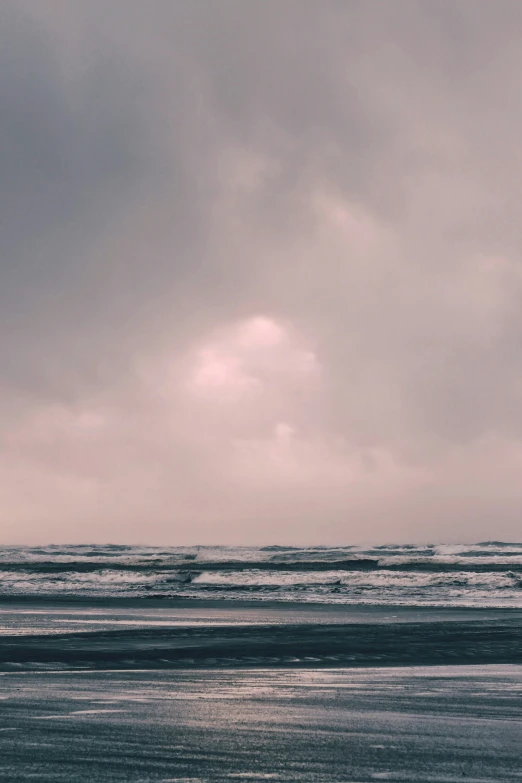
(486, 574)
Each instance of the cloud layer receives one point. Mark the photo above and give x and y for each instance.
(260, 271)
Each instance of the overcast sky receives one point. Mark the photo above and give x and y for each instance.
(260, 271)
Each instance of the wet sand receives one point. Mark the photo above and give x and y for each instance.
(197, 691)
(437, 724)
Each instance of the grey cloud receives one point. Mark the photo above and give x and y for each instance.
(83, 147)
(352, 169)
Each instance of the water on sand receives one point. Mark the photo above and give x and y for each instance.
(412, 724)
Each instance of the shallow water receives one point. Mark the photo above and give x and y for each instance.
(221, 634)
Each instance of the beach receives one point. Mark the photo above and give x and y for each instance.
(411, 724)
(198, 692)
(250, 664)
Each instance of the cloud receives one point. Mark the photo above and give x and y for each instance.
(260, 270)
(251, 358)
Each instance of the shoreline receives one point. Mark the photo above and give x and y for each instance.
(232, 604)
(134, 634)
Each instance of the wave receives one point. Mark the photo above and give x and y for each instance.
(489, 573)
(423, 565)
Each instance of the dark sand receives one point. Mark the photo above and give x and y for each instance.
(137, 634)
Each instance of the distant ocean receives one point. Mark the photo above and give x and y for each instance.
(487, 574)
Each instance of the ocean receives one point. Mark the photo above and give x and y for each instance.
(487, 574)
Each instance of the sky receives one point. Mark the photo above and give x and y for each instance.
(260, 271)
